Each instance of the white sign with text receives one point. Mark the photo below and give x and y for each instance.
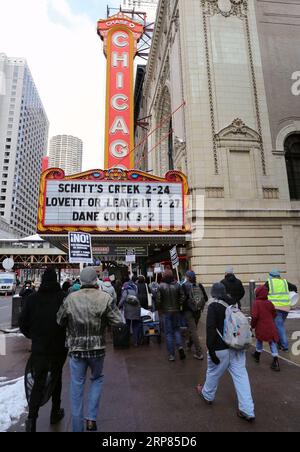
(123, 205)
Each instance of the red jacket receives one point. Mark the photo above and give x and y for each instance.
(263, 315)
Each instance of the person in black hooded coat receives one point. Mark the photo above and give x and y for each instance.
(38, 323)
(234, 287)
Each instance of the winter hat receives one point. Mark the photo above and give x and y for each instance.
(89, 276)
(275, 273)
(218, 291)
(229, 270)
(49, 276)
(190, 274)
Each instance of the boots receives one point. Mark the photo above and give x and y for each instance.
(30, 426)
(256, 357)
(56, 416)
(275, 365)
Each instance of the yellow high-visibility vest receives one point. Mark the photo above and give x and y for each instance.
(279, 293)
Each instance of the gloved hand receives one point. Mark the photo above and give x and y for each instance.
(214, 358)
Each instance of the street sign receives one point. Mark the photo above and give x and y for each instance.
(174, 258)
(120, 250)
(80, 248)
(158, 269)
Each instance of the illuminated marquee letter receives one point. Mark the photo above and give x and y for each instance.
(120, 35)
(119, 126)
(120, 80)
(120, 58)
(119, 149)
(115, 102)
(117, 37)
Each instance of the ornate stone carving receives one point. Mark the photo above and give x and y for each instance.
(227, 8)
(214, 192)
(238, 131)
(271, 193)
(180, 146)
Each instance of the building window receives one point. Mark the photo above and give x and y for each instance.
(292, 158)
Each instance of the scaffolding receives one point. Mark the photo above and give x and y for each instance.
(133, 9)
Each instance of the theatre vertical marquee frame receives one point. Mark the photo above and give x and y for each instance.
(121, 36)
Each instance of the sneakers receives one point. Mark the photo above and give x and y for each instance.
(171, 358)
(182, 354)
(199, 390)
(57, 416)
(256, 357)
(199, 356)
(245, 417)
(275, 365)
(91, 426)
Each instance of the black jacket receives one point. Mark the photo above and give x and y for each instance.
(215, 321)
(143, 295)
(25, 292)
(38, 321)
(234, 288)
(170, 297)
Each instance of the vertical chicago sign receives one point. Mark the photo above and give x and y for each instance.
(120, 35)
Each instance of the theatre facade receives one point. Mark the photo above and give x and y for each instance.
(221, 94)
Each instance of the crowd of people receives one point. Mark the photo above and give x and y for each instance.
(72, 320)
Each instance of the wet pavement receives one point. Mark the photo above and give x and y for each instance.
(143, 392)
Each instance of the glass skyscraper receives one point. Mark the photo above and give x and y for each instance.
(23, 143)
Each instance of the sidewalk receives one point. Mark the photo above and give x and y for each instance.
(145, 393)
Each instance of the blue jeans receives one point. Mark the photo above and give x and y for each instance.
(172, 330)
(235, 363)
(79, 369)
(273, 348)
(280, 321)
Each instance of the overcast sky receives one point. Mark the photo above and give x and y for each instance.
(59, 40)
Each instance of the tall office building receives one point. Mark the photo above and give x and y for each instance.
(23, 143)
(66, 153)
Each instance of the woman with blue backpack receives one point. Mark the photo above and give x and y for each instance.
(228, 336)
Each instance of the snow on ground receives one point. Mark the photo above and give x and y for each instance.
(12, 402)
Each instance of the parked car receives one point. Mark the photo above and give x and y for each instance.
(8, 283)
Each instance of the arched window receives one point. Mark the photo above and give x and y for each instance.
(292, 158)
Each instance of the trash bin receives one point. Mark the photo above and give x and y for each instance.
(17, 305)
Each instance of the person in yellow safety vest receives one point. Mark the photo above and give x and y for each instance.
(279, 295)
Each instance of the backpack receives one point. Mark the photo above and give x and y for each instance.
(196, 301)
(237, 331)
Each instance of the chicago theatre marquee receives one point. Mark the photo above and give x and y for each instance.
(120, 206)
(236, 64)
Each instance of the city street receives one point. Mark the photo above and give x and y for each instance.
(145, 393)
